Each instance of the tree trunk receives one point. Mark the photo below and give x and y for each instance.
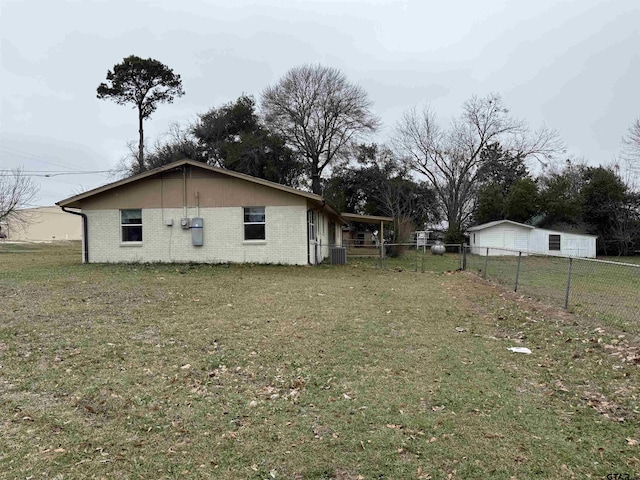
(140, 141)
(316, 186)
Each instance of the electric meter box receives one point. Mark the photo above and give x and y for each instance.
(196, 231)
(185, 223)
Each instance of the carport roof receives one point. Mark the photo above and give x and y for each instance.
(354, 217)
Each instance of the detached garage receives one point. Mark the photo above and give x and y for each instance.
(505, 237)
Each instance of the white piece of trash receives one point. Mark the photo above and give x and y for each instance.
(520, 350)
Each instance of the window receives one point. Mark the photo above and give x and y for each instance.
(254, 223)
(554, 242)
(131, 225)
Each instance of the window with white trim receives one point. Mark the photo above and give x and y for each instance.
(131, 225)
(554, 242)
(254, 223)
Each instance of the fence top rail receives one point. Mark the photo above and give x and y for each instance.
(413, 244)
(546, 254)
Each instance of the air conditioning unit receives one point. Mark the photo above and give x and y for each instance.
(338, 255)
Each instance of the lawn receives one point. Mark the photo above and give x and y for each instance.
(263, 372)
(606, 291)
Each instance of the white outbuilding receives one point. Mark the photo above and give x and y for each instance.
(505, 237)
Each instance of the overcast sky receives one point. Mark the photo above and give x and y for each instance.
(573, 65)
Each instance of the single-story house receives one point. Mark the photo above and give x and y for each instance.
(505, 237)
(188, 211)
(42, 224)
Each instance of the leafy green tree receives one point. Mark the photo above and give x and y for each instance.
(601, 191)
(233, 137)
(610, 210)
(522, 200)
(560, 200)
(145, 83)
(319, 113)
(490, 203)
(500, 166)
(506, 191)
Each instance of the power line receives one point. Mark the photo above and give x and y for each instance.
(29, 156)
(51, 173)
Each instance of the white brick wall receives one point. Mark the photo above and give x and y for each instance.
(223, 233)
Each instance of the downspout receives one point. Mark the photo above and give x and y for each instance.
(85, 232)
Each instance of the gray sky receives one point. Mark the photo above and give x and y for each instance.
(573, 65)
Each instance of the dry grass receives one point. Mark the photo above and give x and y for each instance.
(196, 371)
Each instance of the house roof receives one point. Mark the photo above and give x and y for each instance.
(511, 222)
(74, 202)
(497, 222)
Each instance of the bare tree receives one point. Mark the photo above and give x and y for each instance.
(631, 141)
(319, 113)
(450, 158)
(16, 193)
(631, 150)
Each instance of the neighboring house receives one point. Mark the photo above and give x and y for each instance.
(190, 212)
(42, 224)
(514, 237)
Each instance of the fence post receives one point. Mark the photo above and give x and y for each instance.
(463, 257)
(423, 255)
(415, 267)
(486, 260)
(566, 297)
(518, 271)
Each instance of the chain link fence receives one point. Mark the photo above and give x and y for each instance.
(408, 256)
(607, 290)
(593, 288)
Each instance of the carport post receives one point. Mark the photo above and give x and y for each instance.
(382, 244)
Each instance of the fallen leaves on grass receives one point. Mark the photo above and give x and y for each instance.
(604, 406)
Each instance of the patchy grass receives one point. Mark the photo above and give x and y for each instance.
(608, 292)
(259, 372)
